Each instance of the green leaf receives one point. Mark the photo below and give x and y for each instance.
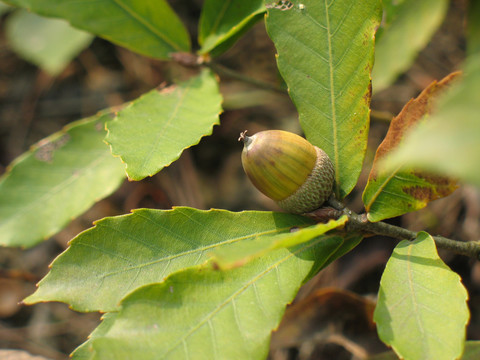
(444, 146)
(325, 55)
(408, 28)
(57, 180)
(472, 352)
(48, 43)
(246, 251)
(149, 27)
(101, 260)
(222, 21)
(154, 130)
(399, 190)
(422, 309)
(195, 314)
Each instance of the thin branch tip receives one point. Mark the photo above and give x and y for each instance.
(360, 223)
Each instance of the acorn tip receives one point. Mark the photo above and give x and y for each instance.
(243, 136)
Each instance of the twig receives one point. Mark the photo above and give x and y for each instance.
(194, 61)
(222, 70)
(361, 223)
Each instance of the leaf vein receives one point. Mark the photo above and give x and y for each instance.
(342, 20)
(105, 251)
(141, 20)
(226, 5)
(213, 337)
(306, 47)
(174, 112)
(336, 160)
(308, 76)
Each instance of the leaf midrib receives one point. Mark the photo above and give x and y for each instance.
(141, 20)
(214, 28)
(183, 92)
(332, 97)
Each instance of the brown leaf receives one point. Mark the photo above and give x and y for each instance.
(412, 113)
(397, 191)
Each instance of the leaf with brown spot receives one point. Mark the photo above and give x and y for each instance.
(394, 192)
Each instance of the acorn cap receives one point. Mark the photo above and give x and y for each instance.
(288, 169)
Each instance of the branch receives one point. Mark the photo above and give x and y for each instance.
(360, 223)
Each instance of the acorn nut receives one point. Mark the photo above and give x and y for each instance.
(288, 169)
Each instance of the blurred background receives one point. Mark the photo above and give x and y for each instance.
(332, 315)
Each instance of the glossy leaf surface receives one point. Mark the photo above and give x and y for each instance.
(399, 190)
(154, 129)
(325, 55)
(422, 309)
(149, 27)
(57, 180)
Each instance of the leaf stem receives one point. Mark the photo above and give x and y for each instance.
(360, 222)
(190, 60)
(222, 70)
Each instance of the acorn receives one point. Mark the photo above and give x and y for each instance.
(284, 166)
